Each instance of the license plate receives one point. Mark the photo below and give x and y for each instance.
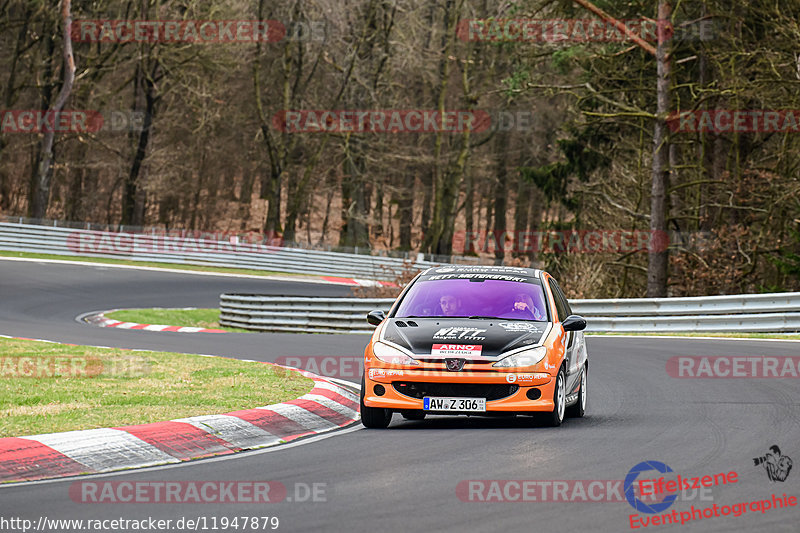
(454, 404)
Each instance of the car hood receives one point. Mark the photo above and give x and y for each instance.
(437, 338)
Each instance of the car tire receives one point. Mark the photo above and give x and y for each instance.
(555, 418)
(579, 409)
(373, 417)
(414, 415)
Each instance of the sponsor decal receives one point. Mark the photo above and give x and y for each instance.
(511, 378)
(375, 373)
(524, 379)
(463, 350)
(499, 277)
(484, 268)
(519, 326)
(453, 333)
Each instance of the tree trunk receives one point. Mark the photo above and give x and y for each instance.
(405, 213)
(521, 214)
(133, 195)
(469, 214)
(355, 232)
(501, 197)
(40, 193)
(658, 257)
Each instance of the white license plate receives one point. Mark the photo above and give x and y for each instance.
(454, 404)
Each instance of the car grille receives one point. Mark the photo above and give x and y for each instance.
(418, 390)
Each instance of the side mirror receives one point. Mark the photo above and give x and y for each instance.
(375, 317)
(574, 323)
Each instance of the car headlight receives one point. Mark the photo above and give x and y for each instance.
(391, 355)
(523, 358)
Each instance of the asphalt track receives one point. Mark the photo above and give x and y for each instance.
(405, 478)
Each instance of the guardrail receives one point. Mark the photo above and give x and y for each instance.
(200, 249)
(768, 313)
(299, 314)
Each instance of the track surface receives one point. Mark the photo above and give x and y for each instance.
(405, 478)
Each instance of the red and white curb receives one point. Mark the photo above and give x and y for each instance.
(358, 282)
(325, 408)
(99, 319)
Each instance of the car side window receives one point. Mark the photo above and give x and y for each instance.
(564, 298)
(558, 299)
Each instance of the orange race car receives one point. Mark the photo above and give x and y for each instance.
(476, 340)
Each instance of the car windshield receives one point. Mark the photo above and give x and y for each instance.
(477, 298)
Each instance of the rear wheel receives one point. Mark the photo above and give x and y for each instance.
(579, 409)
(555, 418)
(373, 417)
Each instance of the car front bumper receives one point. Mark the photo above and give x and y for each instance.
(517, 402)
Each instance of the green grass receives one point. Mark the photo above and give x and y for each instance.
(177, 266)
(46, 387)
(196, 318)
(790, 336)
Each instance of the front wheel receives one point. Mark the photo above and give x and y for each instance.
(555, 418)
(373, 417)
(579, 409)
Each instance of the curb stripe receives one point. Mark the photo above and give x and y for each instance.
(304, 417)
(239, 433)
(332, 396)
(275, 423)
(326, 413)
(104, 449)
(343, 410)
(29, 460)
(327, 385)
(180, 440)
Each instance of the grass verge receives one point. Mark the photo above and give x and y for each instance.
(196, 318)
(176, 266)
(46, 387)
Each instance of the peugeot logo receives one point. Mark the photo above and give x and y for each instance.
(454, 365)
